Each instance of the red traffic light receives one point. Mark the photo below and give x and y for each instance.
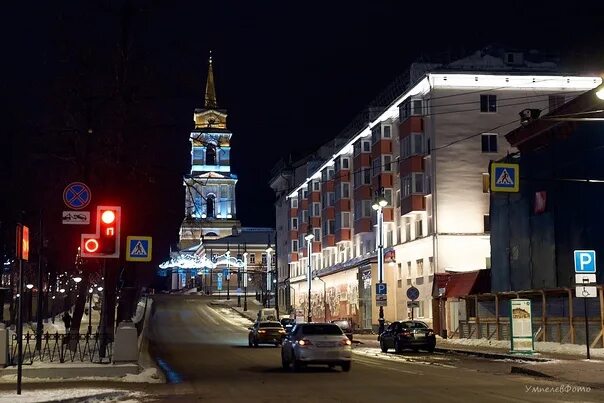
(105, 243)
(91, 245)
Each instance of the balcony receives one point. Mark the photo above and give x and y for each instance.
(329, 213)
(415, 163)
(343, 234)
(363, 225)
(328, 241)
(413, 204)
(315, 196)
(343, 205)
(292, 257)
(413, 124)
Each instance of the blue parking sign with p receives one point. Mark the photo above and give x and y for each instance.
(380, 289)
(585, 261)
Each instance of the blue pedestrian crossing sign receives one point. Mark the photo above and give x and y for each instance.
(138, 248)
(505, 177)
(585, 261)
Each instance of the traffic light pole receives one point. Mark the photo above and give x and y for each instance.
(20, 327)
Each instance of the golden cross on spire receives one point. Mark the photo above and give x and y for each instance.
(210, 101)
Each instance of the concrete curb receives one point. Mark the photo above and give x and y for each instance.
(491, 355)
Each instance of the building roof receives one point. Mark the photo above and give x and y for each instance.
(247, 235)
(559, 122)
(468, 283)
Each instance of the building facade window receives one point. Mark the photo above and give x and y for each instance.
(316, 209)
(387, 165)
(412, 145)
(486, 219)
(488, 103)
(252, 258)
(431, 262)
(486, 182)
(366, 145)
(317, 233)
(420, 267)
(294, 202)
(294, 222)
(316, 186)
(409, 269)
(345, 163)
(294, 245)
(346, 190)
(489, 142)
(419, 228)
(345, 219)
(412, 184)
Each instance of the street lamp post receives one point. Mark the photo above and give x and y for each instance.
(228, 274)
(309, 237)
(378, 205)
(269, 282)
(244, 281)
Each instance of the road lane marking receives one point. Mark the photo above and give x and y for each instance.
(375, 362)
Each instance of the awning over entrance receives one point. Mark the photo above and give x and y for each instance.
(473, 282)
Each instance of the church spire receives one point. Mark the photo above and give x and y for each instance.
(210, 101)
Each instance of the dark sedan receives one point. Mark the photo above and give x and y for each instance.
(409, 334)
(266, 332)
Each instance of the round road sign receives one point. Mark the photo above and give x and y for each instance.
(76, 195)
(412, 293)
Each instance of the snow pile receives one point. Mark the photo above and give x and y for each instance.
(50, 395)
(540, 346)
(430, 359)
(149, 375)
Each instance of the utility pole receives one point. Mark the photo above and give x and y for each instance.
(39, 325)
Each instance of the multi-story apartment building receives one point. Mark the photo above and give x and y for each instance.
(427, 148)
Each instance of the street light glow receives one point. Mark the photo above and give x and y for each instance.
(29, 286)
(77, 279)
(600, 93)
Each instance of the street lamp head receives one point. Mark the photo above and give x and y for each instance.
(382, 202)
(77, 279)
(62, 290)
(600, 93)
(29, 286)
(90, 290)
(309, 237)
(100, 289)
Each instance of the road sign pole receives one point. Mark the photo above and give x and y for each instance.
(20, 327)
(586, 327)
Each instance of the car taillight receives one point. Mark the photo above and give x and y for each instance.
(405, 334)
(345, 342)
(304, 343)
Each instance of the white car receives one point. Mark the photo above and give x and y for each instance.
(316, 343)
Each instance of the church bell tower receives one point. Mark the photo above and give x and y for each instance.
(210, 208)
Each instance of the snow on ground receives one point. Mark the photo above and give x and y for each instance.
(541, 347)
(149, 375)
(233, 317)
(90, 394)
(432, 359)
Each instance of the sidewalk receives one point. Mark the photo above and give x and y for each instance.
(564, 365)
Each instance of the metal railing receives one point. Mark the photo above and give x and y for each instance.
(94, 348)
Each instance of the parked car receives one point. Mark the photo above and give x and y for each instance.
(288, 324)
(345, 325)
(316, 343)
(266, 332)
(408, 334)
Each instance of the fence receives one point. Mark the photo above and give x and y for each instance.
(94, 348)
(557, 316)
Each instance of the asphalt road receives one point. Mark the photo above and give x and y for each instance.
(203, 352)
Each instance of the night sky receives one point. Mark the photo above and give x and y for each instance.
(290, 74)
